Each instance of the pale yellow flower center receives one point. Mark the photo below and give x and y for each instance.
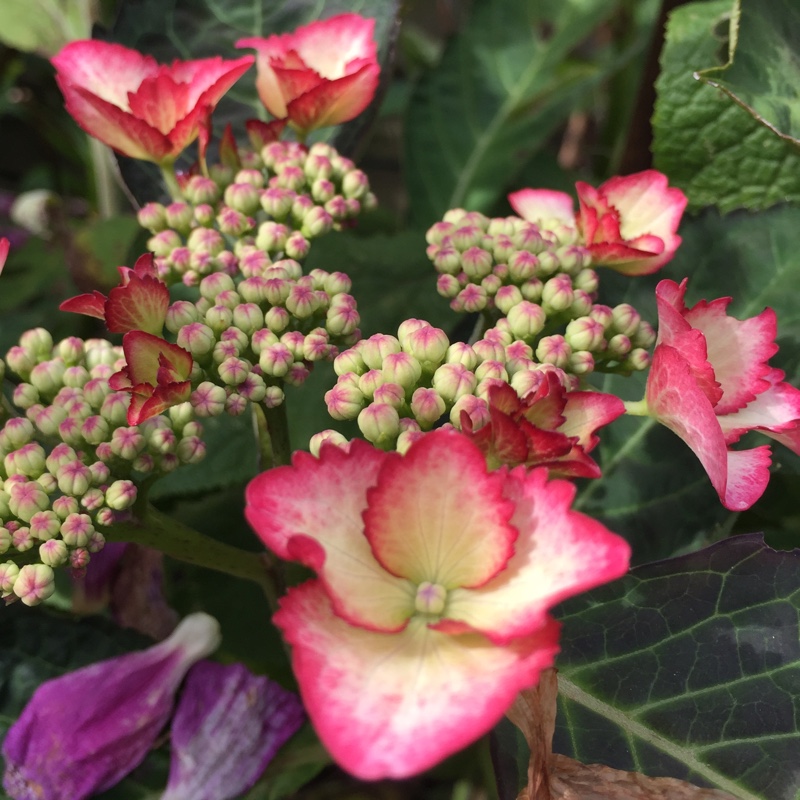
(430, 599)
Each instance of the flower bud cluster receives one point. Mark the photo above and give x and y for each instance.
(69, 463)
(286, 196)
(399, 387)
(535, 282)
(250, 338)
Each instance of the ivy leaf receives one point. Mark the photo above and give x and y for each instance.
(690, 668)
(711, 148)
(762, 72)
(503, 84)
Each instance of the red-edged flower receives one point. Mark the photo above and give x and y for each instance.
(435, 576)
(549, 427)
(4, 247)
(322, 74)
(156, 375)
(710, 383)
(140, 302)
(141, 108)
(629, 223)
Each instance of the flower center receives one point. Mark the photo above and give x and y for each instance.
(430, 598)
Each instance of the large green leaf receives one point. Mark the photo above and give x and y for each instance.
(711, 148)
(45, 26)
(763, 68)
(504, 83)
(653, 489)
(690, 668)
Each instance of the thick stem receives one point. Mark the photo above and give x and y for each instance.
(171, 180)
(105, 186)
(161, 532)
(637, 408)
(276, 429)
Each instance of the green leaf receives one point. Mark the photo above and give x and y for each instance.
(30, 270)
(653, 490)
(690, 668)
(504, 83)
(763, 72)
(45, 26)
(711, 148)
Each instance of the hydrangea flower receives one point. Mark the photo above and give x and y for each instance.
(711, 382)
(629, 223)
(322, 74)
(435, 576)
(83, 732)
(141, 108)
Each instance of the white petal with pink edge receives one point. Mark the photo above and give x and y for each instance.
(393, 705)
(535, 205)
(586, 412)
(559, 553)
(311, 512)
(438, 516)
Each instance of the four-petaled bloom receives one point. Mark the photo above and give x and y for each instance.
(140, 302)
(156, 375)
(549, 427)
(435, 576)
(83, 732)
(629, 223)
(322, 74)
(141, 108)
(710, 383)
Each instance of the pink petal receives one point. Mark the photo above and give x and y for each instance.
(336, 101)
(392, 705)
(269, 88)
(142, 352)
(160, 101)
(738, 350)
(296, 81)
(93, 305)
(438, 516)
(541, 204)
(164, 397)
(4, 247)
(209, 78)
(146, 265)
(312, 512)
(789, 438)
(558, 554)
(676, 400)
(262, 133)
(627, 260)
(587, 412)
(140, 305)
(328, 46)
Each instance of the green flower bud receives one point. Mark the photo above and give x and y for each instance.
(349, 361)
(557, 294)
(355, 184)
(619, 346)
(427, 407)
(375, 349)
(438, 232)
(276, 360)
(526, 320)
(297, 246)
(152, 217)
(548, 264)
(402, 369)
(37, 342)
(507, 297)
(34, 584)
(243, 197)
(625, 319)
(452, 381)
(645, 336)
(25, 396)
(198, 339)
(164, 242)
(121, 495)
(637, 360)
(470, 299)
(277, 319)
(328, 438)
(448, 286)
(380, 424)
(47, 377)
(345, 400)
(20, 361)
(581, 362)
(53, 553)
(179, 216)
(461, 353)
(554, 350)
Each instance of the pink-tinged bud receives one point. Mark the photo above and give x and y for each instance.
(338, 207)
(507, 297)
(152, 217)
(208, 400)
(490, 349)
(28, 460)
(22, 539)
(548, 264)
(233, 371)
(64, 506)
(526, 320)
(70, 431)
(588, 280)
(476, 408)
(76, 737)
(100, 473)
(503, 247)
(349, 361)
(218, 318)
(60, 455)
(163, 440)
(96, 542)
(295, 341)
(26, 498)
(461, 353)
(637, 360)
(428, 345)
(302, 302)
(585, 333)
(96, 390)
(95, 429)
(179, 216)
(198, 339)
(317, 346)
(25, 396)
(370, 381)
(205, 240)
(79, 560)
(345, 400)
(53, 553)
(180, 258)
(248, 318)
(35, 583)
(143, 463)
(252, 388)
(201, 190)
(70, 350)
(557, 294)
(375, 349)
(74, 477)
(438, 232)
(275, 360)
(327, 437)
(181, 417)
(5, 541)
(645, 336)
(452, 381)
(47, 481)
(554, 350)
(45, 525)
(491, 369)
(316, 222)
(121, 495)
(471, 299)
(262, 338)
(8, 575)
(164, 242)
(625, 319)
(390, 394)
(75, 377)
(318, 166)
(297, 246)
(47, 377)
(277, 202)
(225, 350)
(273, 397)
(619, 346)
(380, 424)
(192, 449)
(243, 197)
(603, 314)
(403, 369)
(581, 362)
(20, 361)
(447, 260)
(409, 326)
(76, 530)
(476, 263)
(127, 443)
(92, 500)
(448, 286)
(342, 319)
(491, 284)
(234, 223)
(581, 303)
(115, 408)
(523, 266)
(298, 374)
(253, 177)
(355, 184)
(427, 407)
(275, 290)
(277, 319)
(37, 342)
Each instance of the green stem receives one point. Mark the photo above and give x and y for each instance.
(276, 449)
(104, 183)
(171, 180)
(161, 532)
(637, 408)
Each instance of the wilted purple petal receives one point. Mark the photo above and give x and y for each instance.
(227, 727)
(83, 732)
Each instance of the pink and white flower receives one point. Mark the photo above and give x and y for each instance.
(4, 247)
(322, 74)
(710, 382)
(141, 108)
(435, 576)
(628, 224)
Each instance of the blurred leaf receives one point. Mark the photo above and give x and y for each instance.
(763, 71)
(29, 271)
(504, 83)
(689, 668)
(711, 148)
(45, 26)
(653, 490)
(103, 245)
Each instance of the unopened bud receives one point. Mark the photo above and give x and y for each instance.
(476, 263)
(554, 350)
(53, 553)
(427, 407)
(380, 424)
(345, 400)
(645, 336)
(452, 381)
(152, 217)
(581, 362)
(328, 438)
(208, 400)
(197, 338)
(471, 299)
(34, 584)
(584, 333)
(297, 246)
(526, 320)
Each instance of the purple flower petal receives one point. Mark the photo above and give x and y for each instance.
(227, 727)
(83, 732)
